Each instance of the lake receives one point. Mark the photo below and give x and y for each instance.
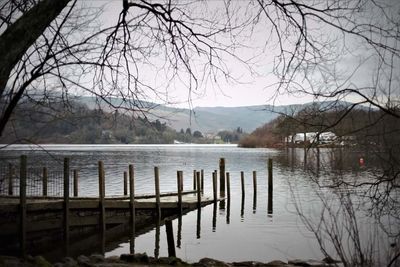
(244, 230)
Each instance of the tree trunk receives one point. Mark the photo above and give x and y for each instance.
(17, 38)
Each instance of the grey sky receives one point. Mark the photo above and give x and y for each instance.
(354, 64)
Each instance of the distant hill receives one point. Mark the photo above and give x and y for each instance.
(208, 119)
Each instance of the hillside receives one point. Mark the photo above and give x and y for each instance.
(207, 119)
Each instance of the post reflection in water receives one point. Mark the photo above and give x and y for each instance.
(214, 219)
(254, 203)
(198, 226)
(132, 239)
(228, 211)
(242, 208)
(179, 235)
(222, 206)
(157, 240)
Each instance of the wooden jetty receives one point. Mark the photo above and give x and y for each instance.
(30, 222)
(70, 225)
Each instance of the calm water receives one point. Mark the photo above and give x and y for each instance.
(245, 231)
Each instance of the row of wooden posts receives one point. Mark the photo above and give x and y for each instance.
(198, 185)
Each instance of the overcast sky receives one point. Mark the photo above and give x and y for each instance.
(259, 89)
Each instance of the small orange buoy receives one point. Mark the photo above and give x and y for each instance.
(361, 161)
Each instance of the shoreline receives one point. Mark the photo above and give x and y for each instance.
(141, 259)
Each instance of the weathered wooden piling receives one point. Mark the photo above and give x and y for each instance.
(170, 238)
(242, 183)
(214, 176)
(198, 190)
(194, 179)
(179, 178)
(132, 194)
(157, 191)
(270, 187)
(228, 186)
(222, 177)
(66, 205)
(125, 183)
(102, 211)
(76, 183)
(22, 205)
(10, 179)
(44, 181)
(254, 183)
(132, 207)
(202, 180)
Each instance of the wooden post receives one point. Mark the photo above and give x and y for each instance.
(270, 186)
(194, 179)
(157, 191)
(45, 181)
(214, 175)
(170, 238)
(22, 205)
(202, 181)
(242, 183)
(222, 177)
(66, 204)
(131, 206)
(228, 186)
(10, 179)
(125, 183)
(254, 183)
(102, 211)
(76, 183)
(179, 175)
(198, 190)
(132, 194)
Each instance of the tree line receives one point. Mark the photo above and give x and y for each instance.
(75, 123)
(368, 127)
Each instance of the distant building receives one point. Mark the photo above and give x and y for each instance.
(313, 137)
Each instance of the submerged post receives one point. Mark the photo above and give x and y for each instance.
(76, 183)
(198, 190)
(270, 186)
(157, 191)
(254, 183)
(10, 179)
(179, 175)
(228, 186)
(22, 205)
(66, 204)
(170, 238)
(242, 183)
(222, 177)
(125, 183)
(45, 179)
(214, 176)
